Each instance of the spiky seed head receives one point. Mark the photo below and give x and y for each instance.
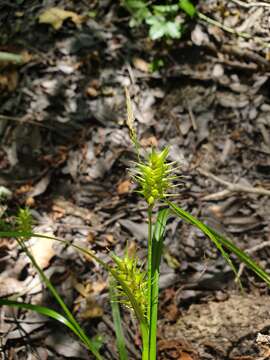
(135, 279)
(154, 176)
(24, 220)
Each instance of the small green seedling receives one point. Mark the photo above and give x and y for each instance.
(164, 20)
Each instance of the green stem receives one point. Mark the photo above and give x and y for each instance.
(145, 341)
(157, 246)
(153, 317)
(149, 264)
(150, 271)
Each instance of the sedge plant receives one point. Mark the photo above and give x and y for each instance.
(133, 284)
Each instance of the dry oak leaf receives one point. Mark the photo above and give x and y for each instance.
(9, 80)
(124, 187)
(42, 250)
(56, 16)
(141, 65)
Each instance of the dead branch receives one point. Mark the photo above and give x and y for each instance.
(251, 251)
(251, 4)
(233, 187)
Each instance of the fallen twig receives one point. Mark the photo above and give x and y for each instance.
(251, 4)
(220, 195)
(251, 251)
(9, 57)
(231, 30)
(234, 187)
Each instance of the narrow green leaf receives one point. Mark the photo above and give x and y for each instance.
(187, 7)
(86, 340)
(41, 310)
(251, 264)
(220, 241)
(20, 235)
(120, 339)
(157, 247)
(192, 220)
(135, 305)
(15, 234)
(159, 231)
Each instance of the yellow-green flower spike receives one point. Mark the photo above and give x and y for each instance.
(155, 176)
(135, 279)
(24, 220)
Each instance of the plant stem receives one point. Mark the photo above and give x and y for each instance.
(154, 316)
(157, 246)
(149, 270)
(145, 341)
(149, 264)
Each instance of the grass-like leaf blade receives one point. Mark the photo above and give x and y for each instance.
(20, 236)
(136, 307)
(221, 242)
(120, 339)
(43, 310)
(157, 247)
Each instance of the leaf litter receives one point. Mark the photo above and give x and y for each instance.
(66, 147)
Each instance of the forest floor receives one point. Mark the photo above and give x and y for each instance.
(65, 151)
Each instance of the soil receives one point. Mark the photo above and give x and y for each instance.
(65, 150)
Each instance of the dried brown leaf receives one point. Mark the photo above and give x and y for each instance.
(56, 16)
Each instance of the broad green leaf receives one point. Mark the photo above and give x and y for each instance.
(187, 7)
(157, 29)
(173, 29)
(138, 9)
(160, 26)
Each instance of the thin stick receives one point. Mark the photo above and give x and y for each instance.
(222, 26)
(9, 57)
(235, 187)
(251, 251)
(231, 30)
(251, 4)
